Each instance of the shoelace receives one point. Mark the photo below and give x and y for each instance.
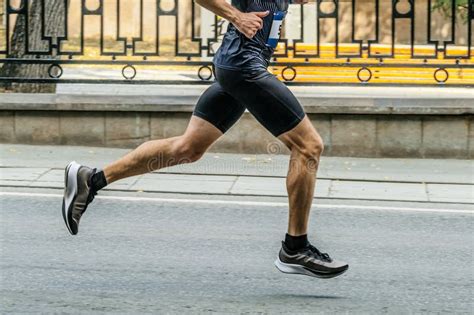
(317, 253)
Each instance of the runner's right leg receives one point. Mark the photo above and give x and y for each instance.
(215, 112)
(157, 154)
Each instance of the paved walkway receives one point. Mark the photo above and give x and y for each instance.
(436, 181)
(362, 91)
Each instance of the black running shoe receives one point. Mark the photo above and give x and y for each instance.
(309, 261)
(77, 194)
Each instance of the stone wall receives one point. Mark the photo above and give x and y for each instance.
(372, 135)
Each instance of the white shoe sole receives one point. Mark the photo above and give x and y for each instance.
(300, 270)
(70, 192)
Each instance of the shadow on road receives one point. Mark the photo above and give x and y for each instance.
(293, 296)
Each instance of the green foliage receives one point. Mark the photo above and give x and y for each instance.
(445, 7)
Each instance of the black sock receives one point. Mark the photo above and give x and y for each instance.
(296, 242)
(98, 180)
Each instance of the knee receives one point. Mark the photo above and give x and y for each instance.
(312, 149)
(188, 151)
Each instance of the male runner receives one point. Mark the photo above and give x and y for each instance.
(243, 82)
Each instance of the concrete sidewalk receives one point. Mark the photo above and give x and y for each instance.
(435, 181)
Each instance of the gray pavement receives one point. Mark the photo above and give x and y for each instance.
(150, 256)
(301, 91)
(434, 181)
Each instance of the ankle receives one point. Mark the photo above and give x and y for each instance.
(295, 243)
(97, 180)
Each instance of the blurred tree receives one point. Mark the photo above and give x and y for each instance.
(53, 24)
(445, 7)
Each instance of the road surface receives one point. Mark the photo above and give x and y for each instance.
(151, 256)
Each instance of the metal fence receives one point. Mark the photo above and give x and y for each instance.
(367, 37)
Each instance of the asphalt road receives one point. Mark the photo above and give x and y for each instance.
(155, 257)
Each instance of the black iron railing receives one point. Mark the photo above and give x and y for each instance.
(58, 37)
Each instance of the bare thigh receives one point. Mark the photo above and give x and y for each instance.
(302, 136)
(200, 134)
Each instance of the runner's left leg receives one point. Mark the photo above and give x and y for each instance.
(306, 147)
(278, 110)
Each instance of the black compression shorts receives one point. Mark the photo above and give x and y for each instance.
(262, 94)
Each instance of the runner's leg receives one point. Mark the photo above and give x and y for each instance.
(156, 154)
(277, 109)
(306, 147)
(215, 113)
